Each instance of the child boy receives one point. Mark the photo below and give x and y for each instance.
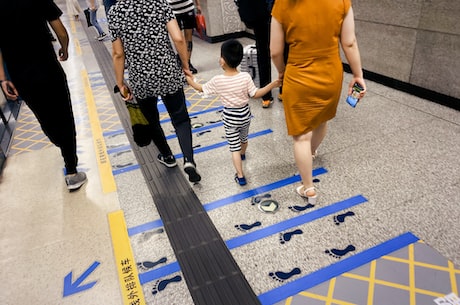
(234, 88)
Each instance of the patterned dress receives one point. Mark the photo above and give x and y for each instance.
(313, 78)
(152, 64)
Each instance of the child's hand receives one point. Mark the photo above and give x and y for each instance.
(277, 83)
(189, 79)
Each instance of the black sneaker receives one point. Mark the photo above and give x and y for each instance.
(192, 68)
(190, 170)
(168, 161)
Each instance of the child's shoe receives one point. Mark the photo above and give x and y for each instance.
(240, 181)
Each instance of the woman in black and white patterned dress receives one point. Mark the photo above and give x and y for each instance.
(141, 33)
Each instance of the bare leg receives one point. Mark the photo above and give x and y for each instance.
(244, 146)
(237, 163)
(317, 137)
(303, 159)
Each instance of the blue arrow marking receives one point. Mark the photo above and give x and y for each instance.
(71, 288)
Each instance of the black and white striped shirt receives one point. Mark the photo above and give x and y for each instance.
(181, 6)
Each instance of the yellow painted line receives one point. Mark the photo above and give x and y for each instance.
(130, 285)
(421, 264)
(453, 279)
(371, 288)
(103, 162)
(323, 298)
(77, 47)
(393, 285)
(330, 291)
(411, 274)
(72, 27)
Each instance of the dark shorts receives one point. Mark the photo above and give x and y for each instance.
(186, 20)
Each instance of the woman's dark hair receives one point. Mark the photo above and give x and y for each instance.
(232, 52)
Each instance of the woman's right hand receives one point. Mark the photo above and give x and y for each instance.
(361, 82)
(125, 93)
(10, 90)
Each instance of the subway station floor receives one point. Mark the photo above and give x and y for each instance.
(385, 229)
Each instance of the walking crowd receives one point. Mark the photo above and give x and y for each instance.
(302, 39)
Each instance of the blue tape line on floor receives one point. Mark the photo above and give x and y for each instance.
(196, 113)
(196, 151)
(295, 221)
(224, 143)
(262, 233)
(229, 200)
(145, 227)
(159, 272)
(260, 190)
(278, 294)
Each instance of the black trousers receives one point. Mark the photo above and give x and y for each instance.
(262, 35)
(177, 109)
(48, 97)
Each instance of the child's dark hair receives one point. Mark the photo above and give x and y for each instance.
(232, 52)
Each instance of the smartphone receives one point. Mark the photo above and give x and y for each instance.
(353, 98)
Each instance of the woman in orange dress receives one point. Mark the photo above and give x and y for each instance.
(313, 74)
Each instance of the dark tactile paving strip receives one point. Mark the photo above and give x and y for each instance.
(209, 269)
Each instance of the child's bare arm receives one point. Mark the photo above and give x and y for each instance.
(194, 84)
(264, 90)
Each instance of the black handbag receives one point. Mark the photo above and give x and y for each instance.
(88, 19)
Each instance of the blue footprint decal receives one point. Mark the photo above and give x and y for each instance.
(109, 147)
(149, 265)
(299, 208)
(337, 253)
(282, 276)
(245, 227)
(117, 154)
(338, 219)
(147, 235)
(119, 166)
(202, 133)
(285, 237)
(258, 199)
(161, 285)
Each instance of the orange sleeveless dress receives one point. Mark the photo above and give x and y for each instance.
(313, 78)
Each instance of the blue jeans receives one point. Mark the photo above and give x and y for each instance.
(93, 19)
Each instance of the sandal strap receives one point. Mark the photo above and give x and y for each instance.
(306, 190)
(314, 155)
(301, 190)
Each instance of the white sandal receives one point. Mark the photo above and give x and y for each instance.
(314, 155)
(311, 199)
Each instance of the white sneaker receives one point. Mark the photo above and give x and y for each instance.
(101, 37)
